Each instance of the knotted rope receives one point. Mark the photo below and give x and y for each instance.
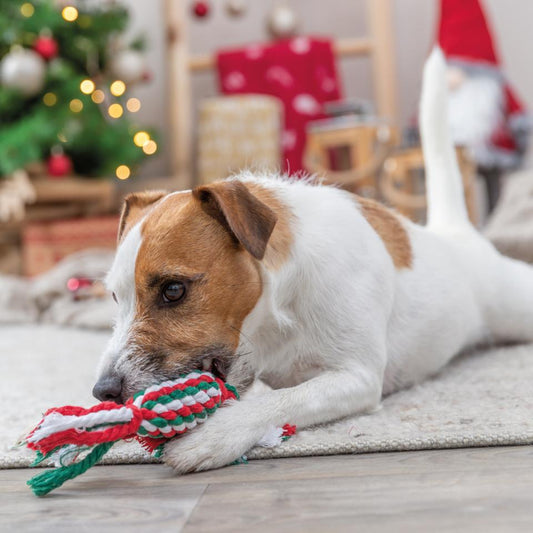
(152, 416)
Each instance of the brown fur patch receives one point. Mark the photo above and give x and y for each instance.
(390, 229)
(280, 243)
(247, 219)
(135, 207)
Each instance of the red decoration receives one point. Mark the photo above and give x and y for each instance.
(466, 39)
(59, 165)
(46, 47)
(300, 72)
(75, 284)
(200, 9)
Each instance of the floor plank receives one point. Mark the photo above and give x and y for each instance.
(484, 489)
(107, 498)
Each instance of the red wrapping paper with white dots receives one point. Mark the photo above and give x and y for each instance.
(301, 72)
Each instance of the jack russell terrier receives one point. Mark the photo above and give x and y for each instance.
(330, 299)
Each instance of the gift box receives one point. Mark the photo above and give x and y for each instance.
(46, 243)
(236, 133)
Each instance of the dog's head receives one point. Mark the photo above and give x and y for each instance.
(186, 274)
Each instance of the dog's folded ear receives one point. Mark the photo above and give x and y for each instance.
(248, 220)
(135, 206)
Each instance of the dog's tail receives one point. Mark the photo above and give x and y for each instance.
(445, 195)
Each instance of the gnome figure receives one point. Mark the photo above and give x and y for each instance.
(485, 113)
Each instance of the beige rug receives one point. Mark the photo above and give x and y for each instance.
(483, 399)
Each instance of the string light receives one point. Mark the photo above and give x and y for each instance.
(50, 99)
(141, 138)
(61, 137)
(115, 110)
(76, 105)
(69, 13)
(87, 86)
(98, 96)
(133, 105)
(27, 9)
(118, 88)
(150, 147)
(123, 172)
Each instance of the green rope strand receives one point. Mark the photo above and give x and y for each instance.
(42, 484)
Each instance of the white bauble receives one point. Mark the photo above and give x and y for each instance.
(128, 66)
(282, 21)
(23, 70)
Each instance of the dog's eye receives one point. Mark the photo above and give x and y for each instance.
(173, 292)
(115, 298)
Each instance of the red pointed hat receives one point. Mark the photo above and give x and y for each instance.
(464, 33)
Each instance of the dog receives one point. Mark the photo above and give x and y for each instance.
(330, 299)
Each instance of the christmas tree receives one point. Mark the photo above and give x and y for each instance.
(65, 73)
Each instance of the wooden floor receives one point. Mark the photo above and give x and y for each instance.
(485, 489)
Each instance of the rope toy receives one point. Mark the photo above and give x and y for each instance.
(152, 416)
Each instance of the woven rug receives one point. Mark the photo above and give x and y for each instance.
(482, 399)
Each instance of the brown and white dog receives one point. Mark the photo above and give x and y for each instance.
(329, 299)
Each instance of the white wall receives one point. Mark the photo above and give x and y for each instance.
(414, 26)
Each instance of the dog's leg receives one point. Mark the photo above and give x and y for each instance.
(510, 310)
(233, 430)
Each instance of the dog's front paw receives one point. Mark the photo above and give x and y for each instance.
(222, 439)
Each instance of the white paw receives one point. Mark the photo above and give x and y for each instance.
(223, 438)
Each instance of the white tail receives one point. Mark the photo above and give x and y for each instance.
(445, 194)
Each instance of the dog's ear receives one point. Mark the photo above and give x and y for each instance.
(248, 220)
(135, 206)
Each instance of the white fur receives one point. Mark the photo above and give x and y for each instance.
(121, 281)
(338, 326)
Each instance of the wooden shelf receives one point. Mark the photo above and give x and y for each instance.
(73, 190)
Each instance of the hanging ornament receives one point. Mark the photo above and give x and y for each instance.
(200, 9)
(23, 70)
(128, 66)
(46, 46)
(59, 164)
(236, 8)
(282, 22)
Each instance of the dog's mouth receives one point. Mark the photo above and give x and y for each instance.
(216, 366)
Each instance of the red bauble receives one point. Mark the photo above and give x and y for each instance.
(200, 9)
(46, 47)
(59, 165)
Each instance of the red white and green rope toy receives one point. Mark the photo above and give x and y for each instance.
(152, 416)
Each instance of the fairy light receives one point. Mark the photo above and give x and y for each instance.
(87, 86)
(117, 88)
(115, 110)
(76, 105)
(98, 96)
(150, 147)
(141, 138)
(123, 172)
(50, 99)
(69, 13)
(61, 137)
(27, 9)
(133, 105)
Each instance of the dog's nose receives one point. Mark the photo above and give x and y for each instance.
(109, 388)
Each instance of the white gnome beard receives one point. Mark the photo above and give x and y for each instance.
(475, 110)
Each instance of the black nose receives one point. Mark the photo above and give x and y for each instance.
(109, 388)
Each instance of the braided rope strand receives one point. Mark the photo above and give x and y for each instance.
(152, 416)
(46, 482)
